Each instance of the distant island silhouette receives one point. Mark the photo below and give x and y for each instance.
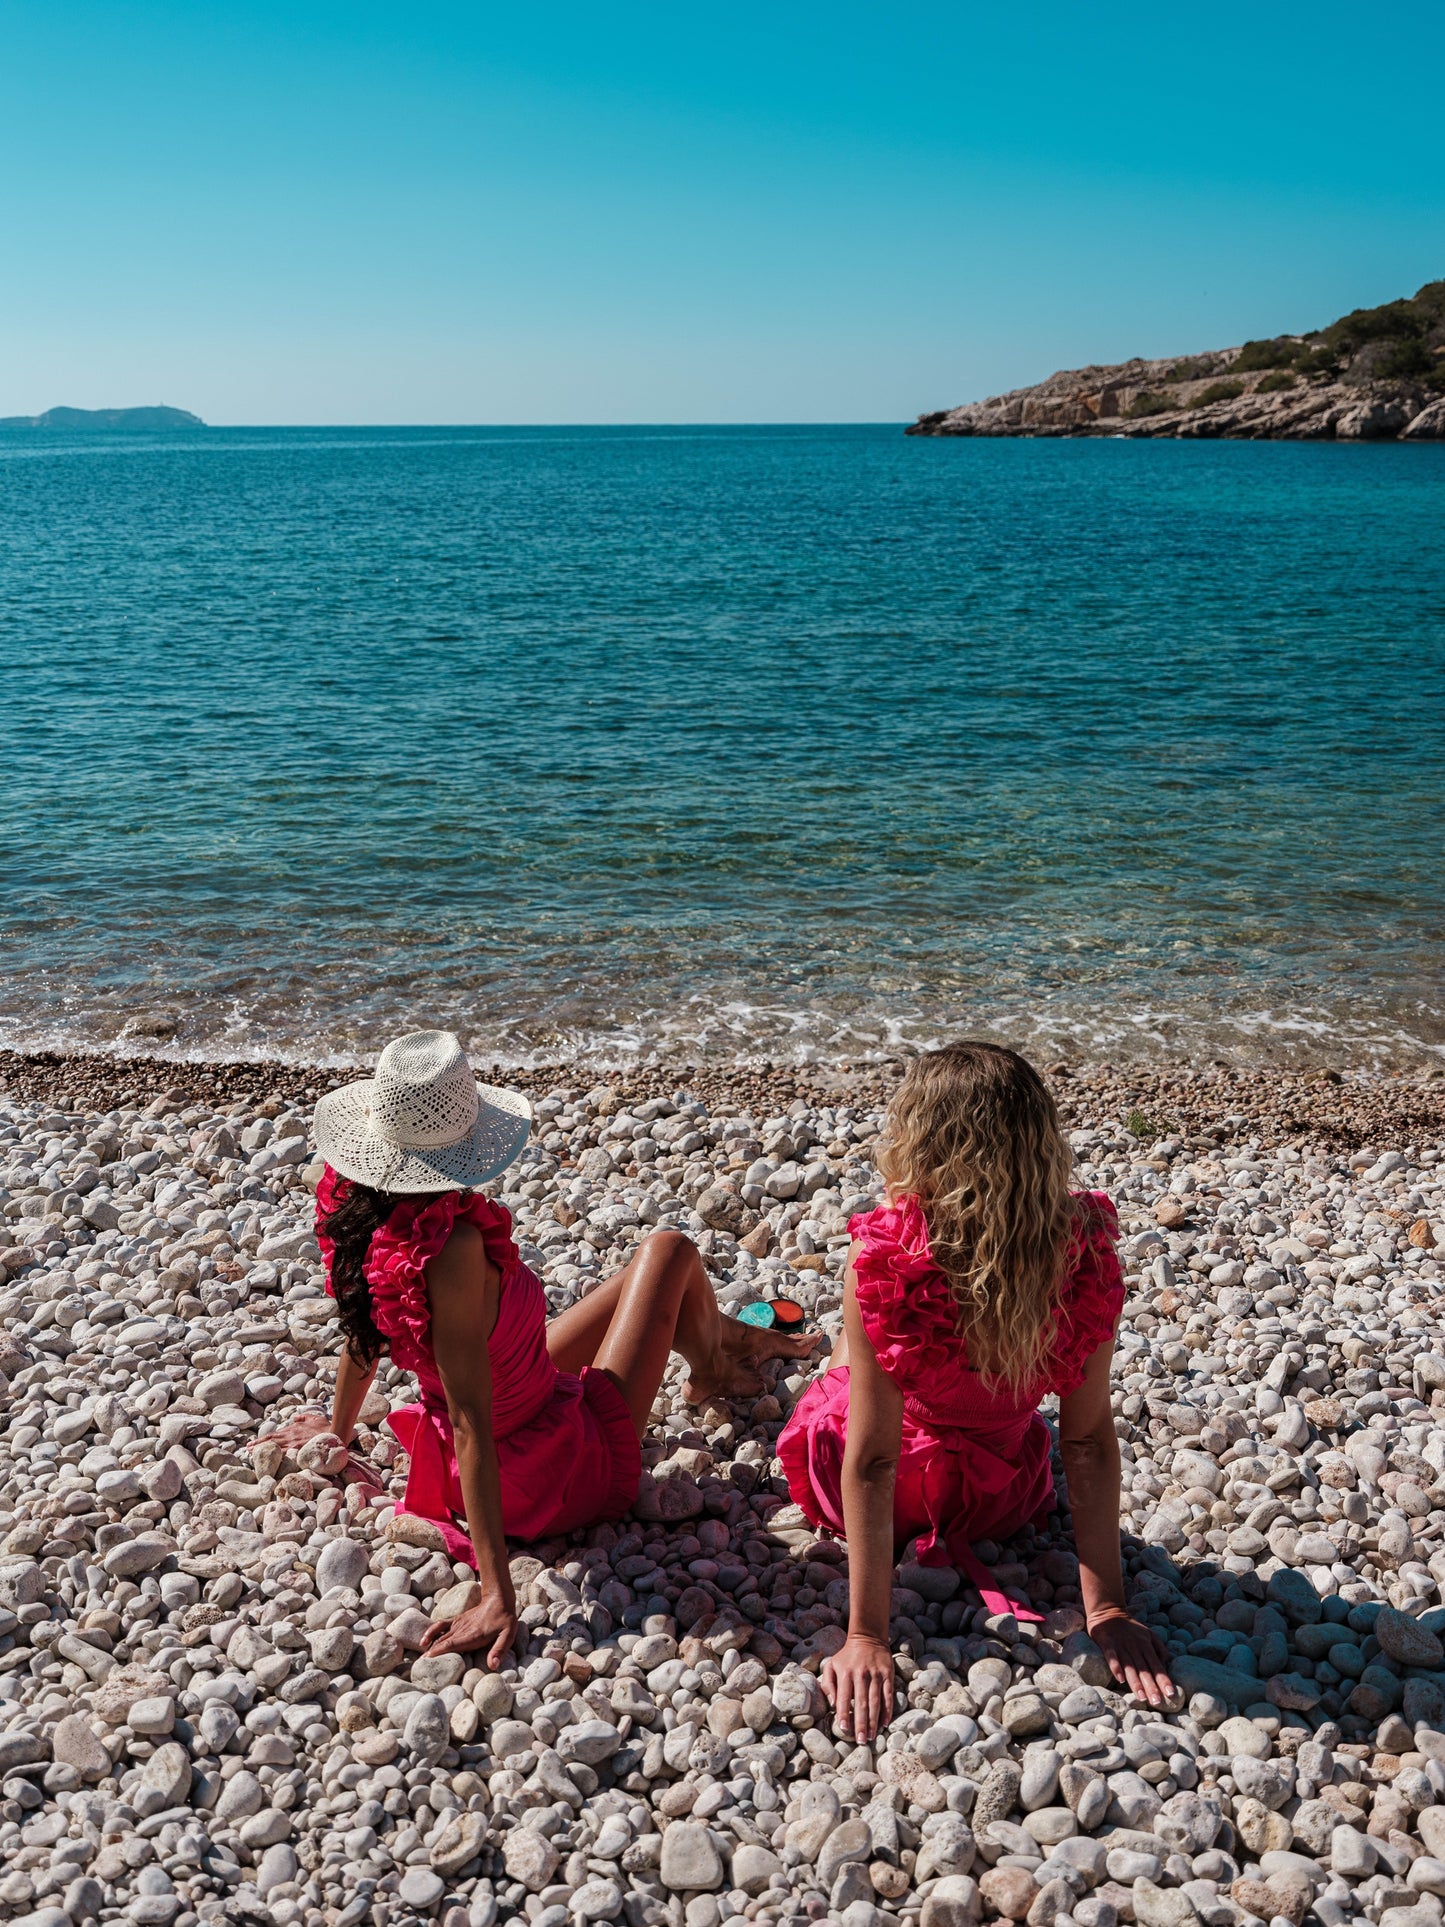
(106, 418)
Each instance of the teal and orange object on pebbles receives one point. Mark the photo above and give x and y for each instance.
(785, 1313)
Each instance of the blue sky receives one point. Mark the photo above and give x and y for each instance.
(435, 213)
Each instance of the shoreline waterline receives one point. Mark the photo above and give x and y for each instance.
(732, 1032)
(1344, 1109)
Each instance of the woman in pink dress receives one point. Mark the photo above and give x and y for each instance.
(522, 1429)
(981, 1286)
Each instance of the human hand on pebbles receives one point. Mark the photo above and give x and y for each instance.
(219, 1700)
(1135, 1656)
(858, 1684)
(300, 1430)
(488, 1628)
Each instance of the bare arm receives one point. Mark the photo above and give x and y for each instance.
(462, 1289)
(859, 1679)
(353, 1382)
(1089, 1448)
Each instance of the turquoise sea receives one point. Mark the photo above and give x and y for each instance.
(768, 742)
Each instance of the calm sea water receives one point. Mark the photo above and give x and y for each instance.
(768, 742)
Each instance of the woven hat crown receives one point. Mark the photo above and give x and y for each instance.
(423, 1095)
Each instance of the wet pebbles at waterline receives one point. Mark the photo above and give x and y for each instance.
(212, 1702)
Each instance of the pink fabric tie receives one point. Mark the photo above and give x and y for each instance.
(426, 1434)
(994, 1600)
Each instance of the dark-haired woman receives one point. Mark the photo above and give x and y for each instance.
(522, 1430)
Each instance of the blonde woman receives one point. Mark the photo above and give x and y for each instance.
(982, 1285)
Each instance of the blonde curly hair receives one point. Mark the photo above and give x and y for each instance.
(974, 1134)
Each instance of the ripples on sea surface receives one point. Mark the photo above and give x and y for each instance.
(764, 742)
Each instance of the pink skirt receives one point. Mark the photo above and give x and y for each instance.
(953, 1485)
(574, 1463)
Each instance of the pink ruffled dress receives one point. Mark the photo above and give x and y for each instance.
(975, 1463)
(566, 1449)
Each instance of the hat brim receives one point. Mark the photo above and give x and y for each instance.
(342, 1130)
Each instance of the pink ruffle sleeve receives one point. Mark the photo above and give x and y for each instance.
(911, 1316)
(328, 1195)
(1093, 1293)
(401, 1250)
(908, 1311)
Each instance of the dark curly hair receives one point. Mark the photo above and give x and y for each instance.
(351, 1224)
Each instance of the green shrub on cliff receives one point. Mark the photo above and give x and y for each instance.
(1412, 326)
(1218, 391)
(1272, 384)
(1392, 321)
(1279, 353)
(1143, 405)
(1412, 329)
(1319, 361)
(1402, 359)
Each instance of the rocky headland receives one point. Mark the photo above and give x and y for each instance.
(1377, 374)
(213, 1706)
(107, 420)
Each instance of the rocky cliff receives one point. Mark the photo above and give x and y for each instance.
(1377, 374)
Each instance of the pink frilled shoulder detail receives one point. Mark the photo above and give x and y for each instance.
(1093, 1291)
(910, 1314)
(329, 1194)
(404, 1246)
(903, 1298)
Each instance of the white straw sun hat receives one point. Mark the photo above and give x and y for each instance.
(422, 1123)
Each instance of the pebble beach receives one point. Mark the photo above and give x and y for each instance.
(213, 1707)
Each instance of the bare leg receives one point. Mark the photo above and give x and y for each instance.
(661, 1302)
(574, 1336)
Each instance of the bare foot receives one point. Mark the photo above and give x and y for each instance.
(734, 1373)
